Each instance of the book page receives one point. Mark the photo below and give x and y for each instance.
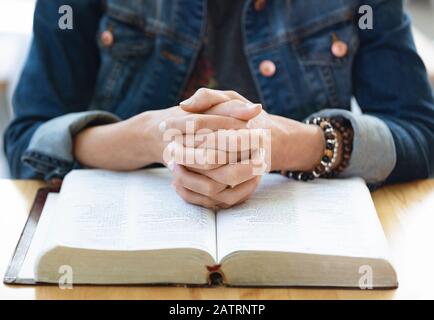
(130, 211)
(331, 217)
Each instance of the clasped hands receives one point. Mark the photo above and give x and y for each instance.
(222, 144)
(217, 150)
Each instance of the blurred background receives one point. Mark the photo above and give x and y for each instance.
(16, 18)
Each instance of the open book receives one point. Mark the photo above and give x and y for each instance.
(132, 228)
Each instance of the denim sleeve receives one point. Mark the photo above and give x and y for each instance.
(374, 155)
(58, 78)
(50, 151)
(391, 83)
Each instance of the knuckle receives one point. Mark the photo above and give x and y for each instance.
(234, 181)
(235, 95)
(206, 203)
(233, 175)
(204, 92)
(208, 191)
(231, 93)
(239, 103)
(244, 200)
(224, 177)
(229, 180)
(180, 192)
(232, 200)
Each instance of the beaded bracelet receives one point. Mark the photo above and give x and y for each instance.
(330, 156)
(343, 125)
(328, 162)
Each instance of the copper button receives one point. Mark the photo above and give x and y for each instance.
(267, 68)
(339, 49)
(107, 38)
(260, 5)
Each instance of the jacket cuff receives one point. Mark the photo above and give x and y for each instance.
(50, 151)
(374, 154)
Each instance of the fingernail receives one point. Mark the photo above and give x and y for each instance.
(253, 105)
(187, 102)
(162, 126)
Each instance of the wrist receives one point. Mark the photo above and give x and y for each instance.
(147, 137)
(124, 146)
(313, 146)
(89, 143)
(295, 146)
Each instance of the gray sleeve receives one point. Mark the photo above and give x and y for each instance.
(50, 150)
(374, 155)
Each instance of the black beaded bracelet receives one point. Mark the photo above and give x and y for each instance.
(345, 128)
(329, 159)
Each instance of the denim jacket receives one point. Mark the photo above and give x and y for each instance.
(72, 80)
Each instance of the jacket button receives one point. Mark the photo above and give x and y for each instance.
(107, 38)
(260, 5)
(339, 49)
(267, 68)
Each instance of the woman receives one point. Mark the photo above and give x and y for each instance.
(100, 95)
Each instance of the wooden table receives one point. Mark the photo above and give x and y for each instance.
(406, 212)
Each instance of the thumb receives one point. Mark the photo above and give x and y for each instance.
(236, 109)
(203, 100)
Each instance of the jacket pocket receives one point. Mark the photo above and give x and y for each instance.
(129, 36)
(328, 77)
(130, 47)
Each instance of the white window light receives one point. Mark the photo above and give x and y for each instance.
(16, 16)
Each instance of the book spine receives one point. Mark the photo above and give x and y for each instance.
(216, 276)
